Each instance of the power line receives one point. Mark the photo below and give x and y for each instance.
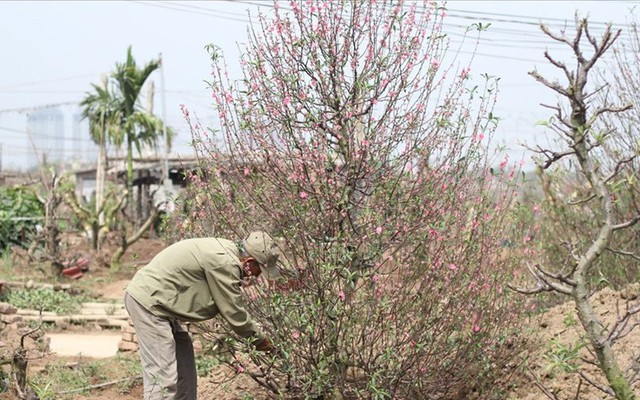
(516, 18)
(188, 9)
(492, 17)
(41, 91)
(37, 108)
(46, 81)
(240, 16)
(44, 135)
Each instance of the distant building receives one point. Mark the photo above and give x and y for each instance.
(60, 136)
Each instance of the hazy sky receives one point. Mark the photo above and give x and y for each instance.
(51, 52)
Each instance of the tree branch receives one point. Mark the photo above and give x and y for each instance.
(540, 386)
(543, 284)
(555, 86)
(603, 110)
(562, 278)
(595, 384)
(626, 224)
(618, 330)
(578, 202)
(624, 253)
(618, 167)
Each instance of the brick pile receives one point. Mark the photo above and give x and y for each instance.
(9, 319)
(129, 339)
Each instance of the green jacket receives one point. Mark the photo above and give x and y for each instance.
(195, 280)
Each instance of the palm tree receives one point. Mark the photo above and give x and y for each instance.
(138, 127)
(101, 108)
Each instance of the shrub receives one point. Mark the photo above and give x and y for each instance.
(20, 213)
(354, 139)
(57, 301)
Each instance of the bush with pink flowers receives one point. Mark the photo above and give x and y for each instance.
(358, 139)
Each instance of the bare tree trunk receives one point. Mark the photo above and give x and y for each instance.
(576, 130)
(100, 182)
(127, 241)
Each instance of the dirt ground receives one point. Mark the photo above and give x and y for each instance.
(558, 325)
(105, 285)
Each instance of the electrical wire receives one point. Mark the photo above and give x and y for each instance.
(180, 7)
(507, 31)
(44, 135)
(48, 81)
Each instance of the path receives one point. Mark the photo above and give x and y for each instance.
(94, 345)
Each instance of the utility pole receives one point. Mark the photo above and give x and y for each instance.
(165, 164)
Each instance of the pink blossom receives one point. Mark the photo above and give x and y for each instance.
(341, 295)
(295, 334)
(379, 230)
(503, 163)
(481, 136)
(246, 171)
(303, 195)
(228, 97)
(286, 100)
(295, 6)
(184, 110)
(453, 267)
(239, 369)
(476, 328)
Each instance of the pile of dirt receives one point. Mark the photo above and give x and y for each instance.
(558, 339)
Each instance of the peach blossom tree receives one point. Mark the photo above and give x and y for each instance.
(358, 138)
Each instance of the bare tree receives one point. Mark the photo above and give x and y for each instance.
(603, 190)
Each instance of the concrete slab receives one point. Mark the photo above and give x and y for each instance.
(94, 345)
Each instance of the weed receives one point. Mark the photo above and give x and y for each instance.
(4, 381)
(563, 357)
(60, 377)
(570, 320)
(6, 263)
(111, 309)
(205, 364)
(43, 392)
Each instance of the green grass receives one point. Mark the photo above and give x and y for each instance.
(60, 377)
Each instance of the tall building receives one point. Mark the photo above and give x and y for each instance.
(60, 136)
(46, 128)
